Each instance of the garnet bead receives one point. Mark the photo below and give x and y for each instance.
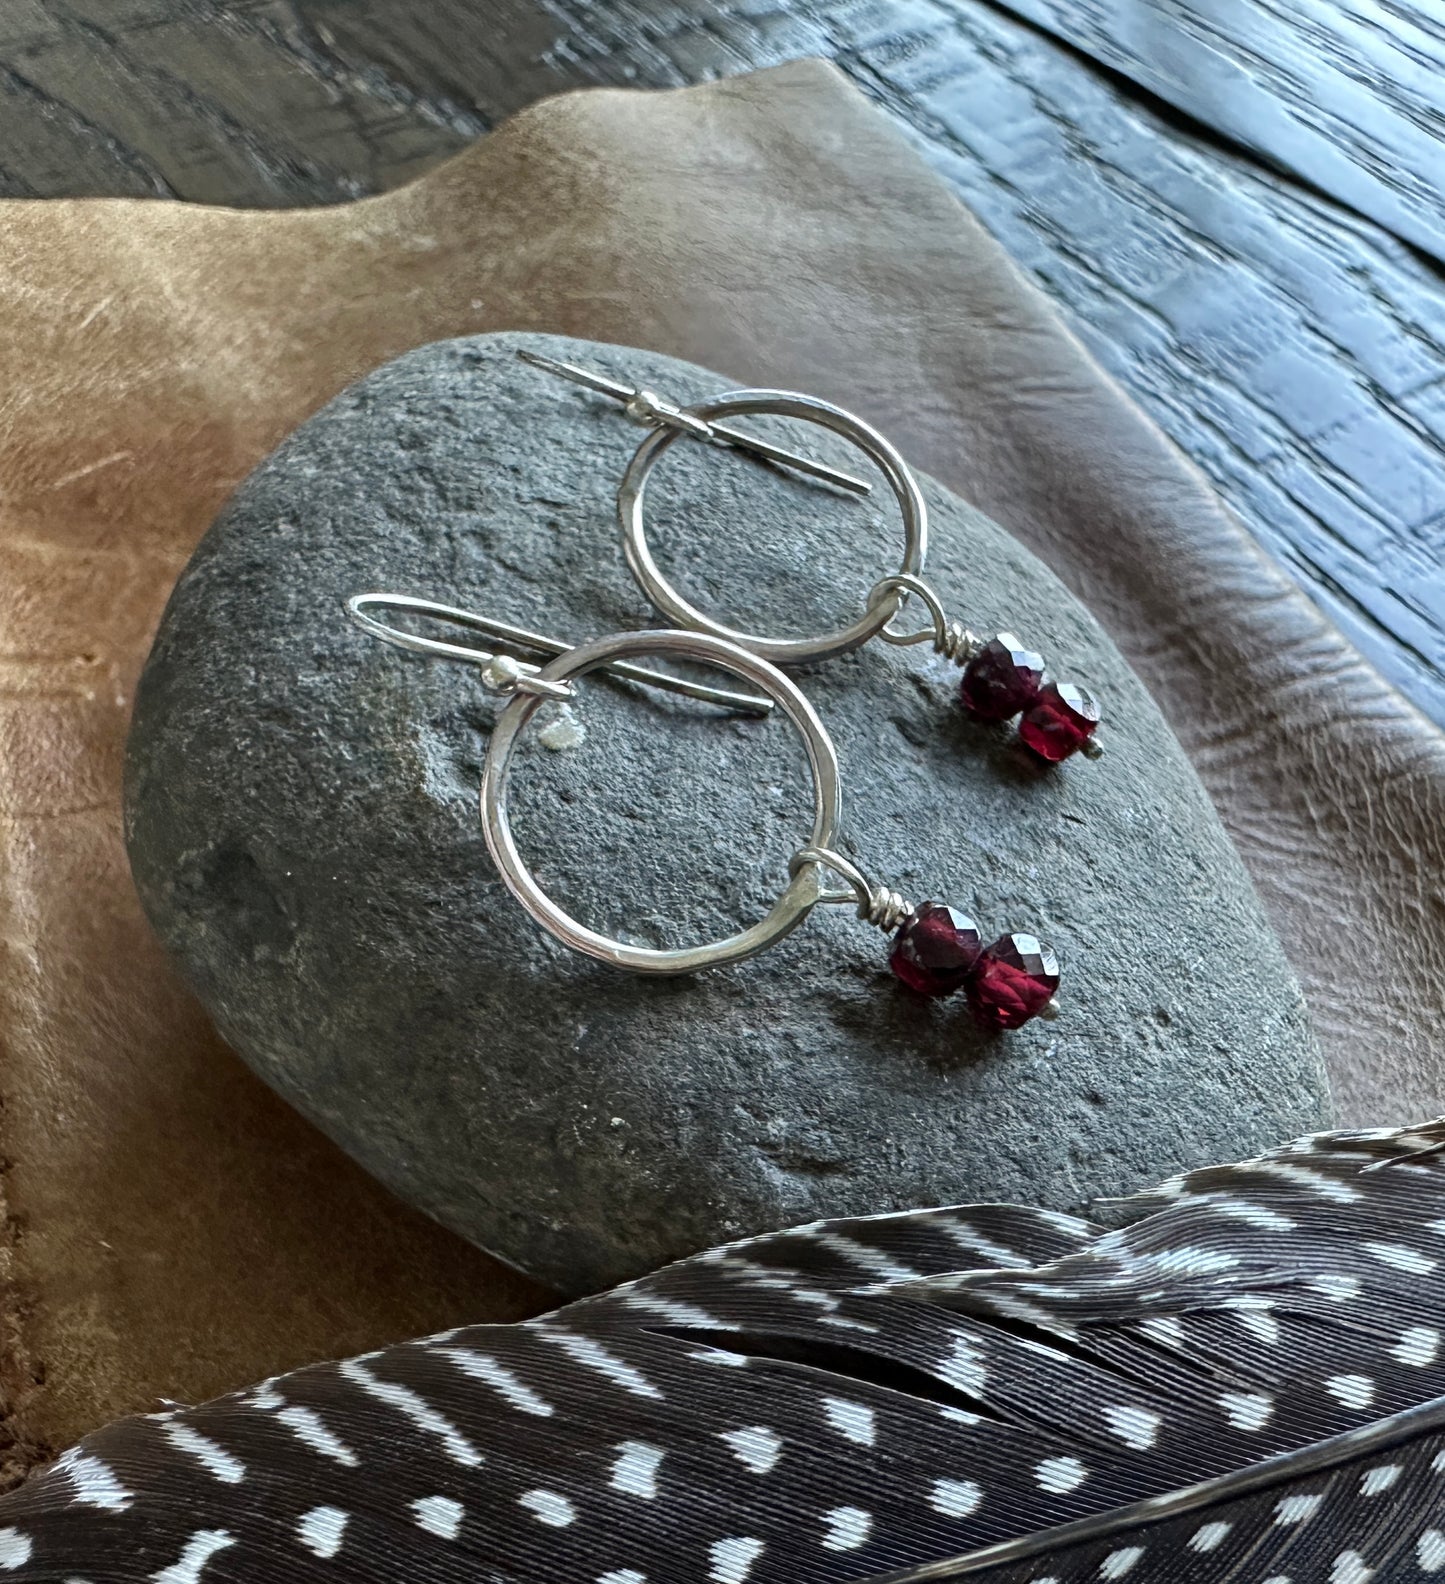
(1014, 981)
(1060, 723)
(1001, 679)
(935, 949)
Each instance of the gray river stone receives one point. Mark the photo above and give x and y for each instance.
(303, 826)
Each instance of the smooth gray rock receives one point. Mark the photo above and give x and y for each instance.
(303, 826)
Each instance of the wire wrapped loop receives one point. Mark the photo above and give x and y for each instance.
(878, 905)
(951, 639)
(884, 909)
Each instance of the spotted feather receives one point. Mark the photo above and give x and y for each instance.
(1240, 1378)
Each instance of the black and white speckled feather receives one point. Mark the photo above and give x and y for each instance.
(1242, 1380)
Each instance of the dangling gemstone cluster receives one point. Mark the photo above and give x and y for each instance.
(1002, 679)
(938, 950)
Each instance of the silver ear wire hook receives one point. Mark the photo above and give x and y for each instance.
(503, 673)
(652, 412)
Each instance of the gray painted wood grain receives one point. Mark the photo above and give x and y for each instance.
(1347, 94)
(1283, 318)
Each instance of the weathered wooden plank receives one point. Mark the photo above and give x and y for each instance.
(1293, 349)
(240, 105)
(1347, 94)
(1297, 354)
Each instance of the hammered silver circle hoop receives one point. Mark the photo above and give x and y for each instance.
(796, 901)
(784, 404)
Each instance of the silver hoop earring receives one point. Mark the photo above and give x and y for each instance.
(936, 949)
(1002, 679)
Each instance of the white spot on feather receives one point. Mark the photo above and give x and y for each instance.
(870, 1259)
(1262, 1327)
(1254, 1215)
(1402, 1258)
(1247, 1410)
(635, 1471)
(1190, 1261)
(321, 1531)
(212, 1457)
(15, 1549)
(1419, 1346)
(265, 1396)
(1135, 1427)
(845, 1324)
(1296, 1509)
(549, 1507)
(955, 1498)
(93, 1483)
(1301, 1177)
(973, 1242)
(964, 1368)
(757, 1448)
(730, 1561)
(1210, 1537)
(415, 1408)
(199, 1550)
(509, 1386)
(308, 1427)
(596, 1357)
(848, 1528)
(1340, 1289)
(439, 1515)
(1350, 1568)
(1430, 1551)
(1060, 1475)
(1118, 1563)
(669, 1309)
(1354, 1391)
(623, 1576)
(854, 1421)
(1379, 1479)
(1015, 1308)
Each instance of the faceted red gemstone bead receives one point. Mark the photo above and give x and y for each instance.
(935, 949)
(1060, 723)
(1014, 981)
(1001, 679)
